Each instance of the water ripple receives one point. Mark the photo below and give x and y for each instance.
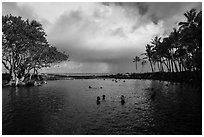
(69, 107)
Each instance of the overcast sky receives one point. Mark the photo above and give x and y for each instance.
(101, 37)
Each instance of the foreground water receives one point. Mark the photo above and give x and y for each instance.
(69, 107)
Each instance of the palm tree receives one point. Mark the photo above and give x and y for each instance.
(192, 19)
(191, 38)
(136, 59)
(182, 49)
(143, 63)
(174, 38)
(158, 53)
(149, 55)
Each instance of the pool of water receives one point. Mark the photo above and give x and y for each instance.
(69, 107)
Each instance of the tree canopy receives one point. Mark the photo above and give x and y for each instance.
(25, 47)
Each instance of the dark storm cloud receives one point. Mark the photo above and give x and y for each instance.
(158, 10)
(75, 31)
(109, 34)
(118, 32)
(106, 3)
(140, 6)
(143, 7)
(73, 21)
(154, 18)
(79, 53)
(166, 10)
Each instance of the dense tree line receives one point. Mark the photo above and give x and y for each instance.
(181, 50)
(25, 47)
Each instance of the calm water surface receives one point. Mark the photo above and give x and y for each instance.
(69, 107)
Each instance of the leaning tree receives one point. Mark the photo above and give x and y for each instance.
(25, 47)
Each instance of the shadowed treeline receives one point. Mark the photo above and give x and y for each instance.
(182, 77)
(181, 50)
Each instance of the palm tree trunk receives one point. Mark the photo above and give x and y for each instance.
(182, 65)
(172, 66)
(166, 64)
(158, 66)
(179, 64)
(151, 65)
(161, 65)
(136, 65)
(176, 68)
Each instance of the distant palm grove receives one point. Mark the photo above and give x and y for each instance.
(181, 50)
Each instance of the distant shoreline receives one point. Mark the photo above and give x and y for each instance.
(194, 77)
(181, 77)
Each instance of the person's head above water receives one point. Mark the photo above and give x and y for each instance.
(98, 98)
(103, 97)
(122, 99)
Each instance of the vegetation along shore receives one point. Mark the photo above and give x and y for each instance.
(176, 58)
